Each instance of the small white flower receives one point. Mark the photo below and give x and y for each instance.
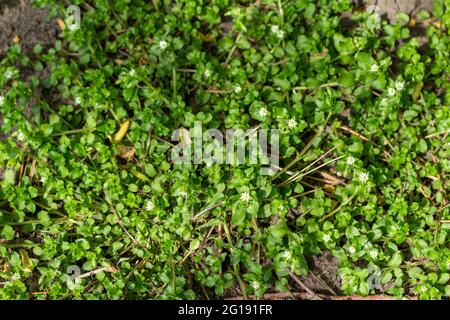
(326, 237)
(78, 100)
(15, 277)
(43, 179)
(255, 285)
(384, 102)
(237, 89)
(274, 28)
(374, 68)
(287, 255)
(351, 249)
(207, 73)
(162, 44)
(2, 100)
(350, 160)
(245, 196)
(132, 72)
(149, 206)
(363, 177)
(399, 85)
(432, 122)
(292, 123)
(391, 92)
(423, 289)
(263, 112)
(373, 253)
(8, 74)
(20, 136)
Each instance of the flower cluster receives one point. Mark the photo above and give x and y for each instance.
(276, 30)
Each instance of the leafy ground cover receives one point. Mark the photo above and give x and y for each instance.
(91, 205)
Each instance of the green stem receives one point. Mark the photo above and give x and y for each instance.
(302, 153)
(337, 209)
(174, 83)
(230, 54)
(75, 131)
(50, 210)
(236, 266)
(19, 245)
(57, 220)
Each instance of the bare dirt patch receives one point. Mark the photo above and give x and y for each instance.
(322, 277)
(20, 21)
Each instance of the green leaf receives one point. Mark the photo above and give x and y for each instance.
(396, 260)
(238, 216)
(194, 245)
(9, 176)
(365, 61)
(279, 230)
(416, 273)
(409, 115)
(422, 146)
(8, 232)
(386, 276)
(356, 147)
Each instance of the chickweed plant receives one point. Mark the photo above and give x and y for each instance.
(361, 107)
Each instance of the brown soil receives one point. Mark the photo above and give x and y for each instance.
(392, 7)
(30, 25)
(322, 277)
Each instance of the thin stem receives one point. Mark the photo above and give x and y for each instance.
(75, 131)
(230, 54)
(301, 175)
(174, 83)
(337, 209)
(235, 267)
(19, 245)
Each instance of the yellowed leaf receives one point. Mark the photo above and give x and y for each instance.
(61, 24)
(139, 175)
(121, 133)
(5, 268)
(27, 264)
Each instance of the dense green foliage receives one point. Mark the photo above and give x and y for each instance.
(365, 93)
